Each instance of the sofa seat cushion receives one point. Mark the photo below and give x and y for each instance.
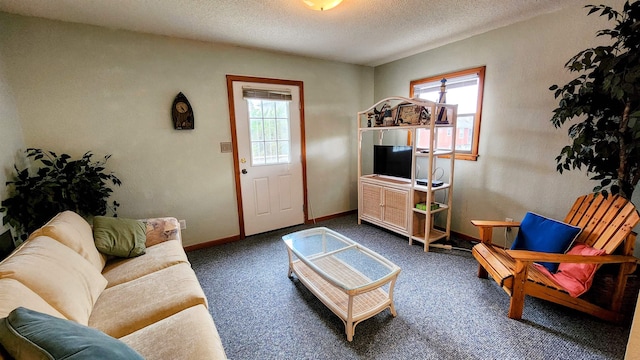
(14, 294)
(75, 232)
(130, 306)
(157, 257)
(57, 274)
(28, 334)
(188, 334)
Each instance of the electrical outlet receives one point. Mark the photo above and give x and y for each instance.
(183, 224)
(508, 220)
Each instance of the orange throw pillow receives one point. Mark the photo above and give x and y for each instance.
(573, 277)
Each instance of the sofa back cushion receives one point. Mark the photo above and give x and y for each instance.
(31, 334)
(59, 275)
(162, 229)
(75, 232)
(14, 294)
(119, 237)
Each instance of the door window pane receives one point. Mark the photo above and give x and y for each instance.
(257, 130)
(283, 151)
(269, 131)
(283, 129)
(271, 152)
(282, 109)
(257, 153)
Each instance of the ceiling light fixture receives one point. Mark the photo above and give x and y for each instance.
(322, 5)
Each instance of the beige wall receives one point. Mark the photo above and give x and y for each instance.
(80, 88)
(516, 170)
(11, 139)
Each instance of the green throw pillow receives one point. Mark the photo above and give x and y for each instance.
(28, 334)
(119, 237)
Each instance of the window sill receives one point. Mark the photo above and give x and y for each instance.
(470, 157)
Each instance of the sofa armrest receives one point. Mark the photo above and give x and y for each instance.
(162, 229)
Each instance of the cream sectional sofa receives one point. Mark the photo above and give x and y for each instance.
(153, 302)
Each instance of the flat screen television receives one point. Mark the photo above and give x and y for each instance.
(392, 160)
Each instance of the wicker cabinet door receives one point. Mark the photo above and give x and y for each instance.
(372, 201)
(395, 207)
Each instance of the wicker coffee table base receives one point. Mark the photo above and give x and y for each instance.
(351, 306)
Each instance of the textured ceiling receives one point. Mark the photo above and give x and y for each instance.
(365, 32)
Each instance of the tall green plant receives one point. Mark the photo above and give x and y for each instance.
(605, 99)
(59, 184)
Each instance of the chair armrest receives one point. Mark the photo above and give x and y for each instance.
(486, 228)
(493, 223)
(534, 256)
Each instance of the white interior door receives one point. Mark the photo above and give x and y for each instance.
(269, 155)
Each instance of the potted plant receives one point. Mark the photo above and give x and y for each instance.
(605, 102)
(58, 184)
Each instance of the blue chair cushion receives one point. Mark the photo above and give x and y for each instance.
(538, 233)
(30, 334)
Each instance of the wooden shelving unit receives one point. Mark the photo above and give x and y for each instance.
(392, 202)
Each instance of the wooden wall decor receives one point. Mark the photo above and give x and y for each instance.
(182, 113)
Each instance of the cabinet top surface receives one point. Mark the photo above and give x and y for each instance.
(400, 183)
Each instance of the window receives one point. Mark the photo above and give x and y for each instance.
(269, 127)
(464, 88)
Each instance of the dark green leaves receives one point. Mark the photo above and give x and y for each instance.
(603, 103)
(59, 184)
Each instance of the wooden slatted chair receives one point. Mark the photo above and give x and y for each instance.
(607, 224)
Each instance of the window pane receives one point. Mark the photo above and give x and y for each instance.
(269, 109)
(270, 131)
(431, 96)
(257, 153)
(423, 139)
(257, 133)
(283, 129)
(466, 98)
(255, 108)
(465, 89)
(282, 109)
(271, 152)
(465, 133)
(283, 152)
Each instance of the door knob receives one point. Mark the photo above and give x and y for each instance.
(244, 171)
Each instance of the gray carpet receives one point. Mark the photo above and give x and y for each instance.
(444, 310)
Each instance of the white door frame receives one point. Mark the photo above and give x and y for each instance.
(234, 140)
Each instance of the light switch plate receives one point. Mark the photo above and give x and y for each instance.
(225, 147)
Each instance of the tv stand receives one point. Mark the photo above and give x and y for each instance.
(384, 202)
(408, 206)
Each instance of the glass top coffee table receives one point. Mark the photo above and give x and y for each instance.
(351, 280)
